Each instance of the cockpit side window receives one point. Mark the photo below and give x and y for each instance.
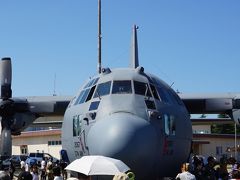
(79, 98)
(102, 89)
(141, 88)
(154, 91)
(84, 96)
(122, 87)
(90, 93)
(164, 97)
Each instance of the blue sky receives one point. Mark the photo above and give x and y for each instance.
(195, 44)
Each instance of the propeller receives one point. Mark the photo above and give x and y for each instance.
(6, 108)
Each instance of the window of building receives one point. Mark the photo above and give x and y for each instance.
(219, 150)
(122, 87)
(23, 149)
(54, 143)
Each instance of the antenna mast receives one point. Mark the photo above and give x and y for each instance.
(134, 63)
(54, 85)
(99, 38)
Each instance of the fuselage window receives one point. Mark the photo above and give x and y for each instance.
(141, 88)
(122, 87)
(169, 124)
(90, 93)
(94, 105)
(102, 89)
(154, 91)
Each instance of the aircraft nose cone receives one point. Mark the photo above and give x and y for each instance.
(127, 137)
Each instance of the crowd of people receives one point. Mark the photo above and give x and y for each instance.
(34, 170)
(48, 170)
(226, 168)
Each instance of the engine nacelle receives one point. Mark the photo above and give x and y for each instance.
(21, 121)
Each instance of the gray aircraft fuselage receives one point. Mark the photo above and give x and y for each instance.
(132, 116)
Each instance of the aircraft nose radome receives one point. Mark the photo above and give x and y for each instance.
(127, 137)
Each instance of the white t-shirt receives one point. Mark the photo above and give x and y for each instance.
(22, 163)
(186, 176)
(43, 164)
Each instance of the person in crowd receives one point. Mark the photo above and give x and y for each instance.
(185, 174)
(43, 173)
(198, 169)
(4, 175)
(83, 177)
(222, 172)
(49, 170)
(63, 164)
(24, 175)
(11, 169)
(210, 172)
(121, 176)
(34, 172)
(22, 164)
(57, 173)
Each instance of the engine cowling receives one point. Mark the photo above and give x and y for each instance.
(21, 121)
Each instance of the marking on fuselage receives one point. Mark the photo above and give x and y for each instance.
(167, 147)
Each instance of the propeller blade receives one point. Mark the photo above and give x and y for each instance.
(6, 139)
(6, 78)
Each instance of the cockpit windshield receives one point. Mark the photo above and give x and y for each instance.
(102, 89)
(91, 83)
(122, 87)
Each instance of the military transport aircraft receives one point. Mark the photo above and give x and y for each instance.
(124, 113)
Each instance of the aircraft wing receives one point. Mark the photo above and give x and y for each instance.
(26, 110)
(224, 103)
(48, 105)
